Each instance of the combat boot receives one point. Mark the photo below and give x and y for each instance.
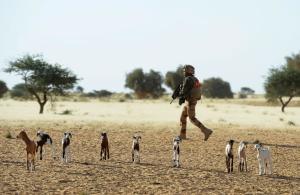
(183, 134)
(207, 133)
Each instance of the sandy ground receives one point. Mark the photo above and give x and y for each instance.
(159, 112)
(202, 163)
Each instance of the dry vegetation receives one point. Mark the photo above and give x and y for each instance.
(203, 163)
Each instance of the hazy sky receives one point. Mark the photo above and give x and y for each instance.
(101, 41)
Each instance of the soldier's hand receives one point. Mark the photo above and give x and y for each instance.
(181, 100)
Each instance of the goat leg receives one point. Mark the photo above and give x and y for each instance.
(231, 169)
(27, 162)
(227, 164)
(33, 162)
(41, 152)
(270, 166)
(107, 153)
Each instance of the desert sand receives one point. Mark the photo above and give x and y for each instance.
(202, 168)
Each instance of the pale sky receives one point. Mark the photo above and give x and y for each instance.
(101, 41)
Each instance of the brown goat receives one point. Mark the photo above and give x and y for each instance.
(30, 149)
(104, 146)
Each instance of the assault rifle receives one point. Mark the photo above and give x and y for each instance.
(176, 93)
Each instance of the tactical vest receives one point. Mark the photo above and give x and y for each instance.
(196, 90)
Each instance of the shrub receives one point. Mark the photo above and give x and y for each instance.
(8, 135)
(67, 112)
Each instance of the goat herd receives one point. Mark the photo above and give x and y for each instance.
(44, 138)
(263, 156)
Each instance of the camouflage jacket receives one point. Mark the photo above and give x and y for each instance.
(191, 88)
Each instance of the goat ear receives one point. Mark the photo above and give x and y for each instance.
(70, 134)
(65, 133)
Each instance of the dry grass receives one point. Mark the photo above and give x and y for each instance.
(155, 111)
(203, 163)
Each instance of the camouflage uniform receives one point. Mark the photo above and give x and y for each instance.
(190, 93)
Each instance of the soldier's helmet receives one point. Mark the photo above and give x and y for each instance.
(189, 69)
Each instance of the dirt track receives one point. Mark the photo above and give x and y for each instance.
(202, 170)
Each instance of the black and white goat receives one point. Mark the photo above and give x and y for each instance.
(264, 159)
(176, 151)
(242, 156)
(43, 139)
(135, 149)
(104, 152)
(229, 156)
(66, 141)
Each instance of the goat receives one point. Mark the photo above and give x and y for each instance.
(43, 139)
(176, 151)
(66, 140)
(242, 156)
(30, 149)
(264, 159)
(229, 156)
(135, 150)
(104, 146)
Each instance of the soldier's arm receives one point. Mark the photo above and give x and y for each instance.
(187, 87)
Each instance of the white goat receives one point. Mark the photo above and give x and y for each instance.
(66, 140)
(229, 156)
(44, 139)
(264, 159)
(242, 156)
(176, 151)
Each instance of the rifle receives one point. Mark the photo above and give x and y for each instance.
(176, 93)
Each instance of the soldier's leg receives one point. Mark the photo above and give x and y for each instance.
(192, 115)
(183, 121)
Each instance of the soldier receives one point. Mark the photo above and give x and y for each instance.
(190, 93)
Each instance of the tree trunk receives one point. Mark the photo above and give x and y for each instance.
(282, 107)
(42, 107)
(284, 104)
(41, 103)
(36, 95)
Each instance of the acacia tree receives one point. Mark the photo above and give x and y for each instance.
(282, 83)
(216, 88)
(174, 78)
(41, 78)
(293, 61)
(3, 88)
(153, 84)
(145, 84)
(245, 91)
(135, 81)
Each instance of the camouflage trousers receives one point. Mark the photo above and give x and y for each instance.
(189, 111)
